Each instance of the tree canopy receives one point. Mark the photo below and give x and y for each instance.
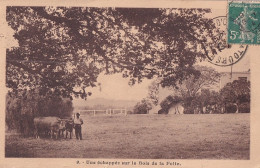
(205, 78)
(62, 50)
(237, 91)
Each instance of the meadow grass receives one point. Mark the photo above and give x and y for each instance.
(211, 136)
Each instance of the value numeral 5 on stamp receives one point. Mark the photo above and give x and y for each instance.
(244, 23)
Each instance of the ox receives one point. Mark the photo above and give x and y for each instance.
(46, 125)
(66, 125)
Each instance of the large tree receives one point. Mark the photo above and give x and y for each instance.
(236, 96)
(205, 78)
(62, 50)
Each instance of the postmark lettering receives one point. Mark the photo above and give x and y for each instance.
(226, 54)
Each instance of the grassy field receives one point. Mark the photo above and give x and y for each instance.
(212, 136)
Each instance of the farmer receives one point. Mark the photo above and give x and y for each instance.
(77, 123)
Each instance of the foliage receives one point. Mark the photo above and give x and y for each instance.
(244, 107)
(234, 95)
(230, 108)
(205, 78)
(188, 110)
(64, 49)
(236, 92)
(153, 92)
(163, 111)
(142, 107)
(195, 92)
(167, 103)
(207, 97)
(22, 108)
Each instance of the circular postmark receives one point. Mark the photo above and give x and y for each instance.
(226, 54)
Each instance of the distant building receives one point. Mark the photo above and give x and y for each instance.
(176, 109)
(227, 77)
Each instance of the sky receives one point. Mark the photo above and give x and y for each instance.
(116, 87)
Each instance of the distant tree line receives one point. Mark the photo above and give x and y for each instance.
(196, 95)
(102, 107)
(232, 97)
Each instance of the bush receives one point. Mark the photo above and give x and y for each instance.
(142, 107)
(167, 103)
(188, 110)
(130, 112)
(231, 108)
(244, 108)
(163, 111)
(236, 92)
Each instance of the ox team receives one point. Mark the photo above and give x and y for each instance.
(54, 126)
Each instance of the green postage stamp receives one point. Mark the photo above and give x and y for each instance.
(243, 23)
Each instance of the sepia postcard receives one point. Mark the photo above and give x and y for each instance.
(118, 84)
